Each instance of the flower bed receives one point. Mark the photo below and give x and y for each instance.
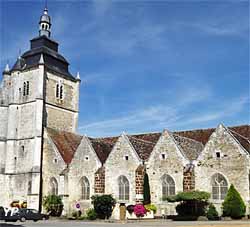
(139, 211)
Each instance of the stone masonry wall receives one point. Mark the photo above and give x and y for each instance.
(85, 163)
(116, 165)
(188, 179)
(139, 180)
(172, 164)
(233, 164)
(100, 181)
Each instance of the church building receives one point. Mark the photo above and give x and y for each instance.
(41, 152)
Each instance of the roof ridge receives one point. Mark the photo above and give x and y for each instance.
(146, 141)
(239, 135)
(188, 138)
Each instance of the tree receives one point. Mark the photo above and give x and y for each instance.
(103, 205)
(212, 213)
(53, 205)
(146, 190)
(233, 205)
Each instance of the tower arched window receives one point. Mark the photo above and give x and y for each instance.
(219, 186)
(57, 90)
(61, 92)
(53, 186)
(27, 88)
(123, 185)
(29, 187)
(168, 185)
(24, 88)
(85, 188)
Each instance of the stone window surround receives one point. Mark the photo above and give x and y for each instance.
(218, 186)
(123, 188)
(165, 182)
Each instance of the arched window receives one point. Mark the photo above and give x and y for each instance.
(29, 187)
(57, 90)
(53, 186)
(123, 184)
(61, 92)
(168, 185)
(28, 88)
(85, 188)
(24, 88)
(219, 186)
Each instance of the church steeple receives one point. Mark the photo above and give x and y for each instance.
(44, 24)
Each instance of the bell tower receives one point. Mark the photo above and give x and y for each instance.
(44, 24)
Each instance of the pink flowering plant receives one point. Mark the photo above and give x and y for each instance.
(139, 210)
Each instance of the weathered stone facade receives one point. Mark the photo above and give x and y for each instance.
(223, 154)
(41, 153)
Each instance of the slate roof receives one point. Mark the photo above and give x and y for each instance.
(66, 143)
(191, 148)
(52, 59)
(241, 134)
(190, 142)
(142, 147)
(103, 146)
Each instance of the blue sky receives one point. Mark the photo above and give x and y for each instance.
(145, 65)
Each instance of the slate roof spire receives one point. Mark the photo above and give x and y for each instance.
(45, 23)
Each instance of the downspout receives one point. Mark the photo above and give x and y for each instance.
(42, 141)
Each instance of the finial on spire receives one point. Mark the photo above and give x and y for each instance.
(78, 76)
(44, 23)
(7, 69)
(41, 61)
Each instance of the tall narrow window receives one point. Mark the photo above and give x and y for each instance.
(29, 187)
(123, 184)
(168, 185)
(61, 92)
(219, 186)
(85, 188)
(24, 88)
(57, 90)
(28, 88)
(53, 186)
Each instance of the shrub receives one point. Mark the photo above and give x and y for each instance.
(103, 205)
(146, 190)
(139, 210)
(233, 205)
(91, 214)
(212, 213)
(193, 203)
(130, 208)
(151, 207)
(53, 205)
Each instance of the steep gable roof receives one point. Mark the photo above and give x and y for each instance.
(241, 134)
(66, 143)
(144, 143)
(190, 147)
(103, 146)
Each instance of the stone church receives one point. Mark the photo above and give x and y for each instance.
(41, 153)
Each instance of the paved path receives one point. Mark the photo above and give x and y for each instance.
(165, 223)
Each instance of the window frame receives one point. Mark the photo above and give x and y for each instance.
(85, 188)
(217, 186)
(168, 185)
(123, 188)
